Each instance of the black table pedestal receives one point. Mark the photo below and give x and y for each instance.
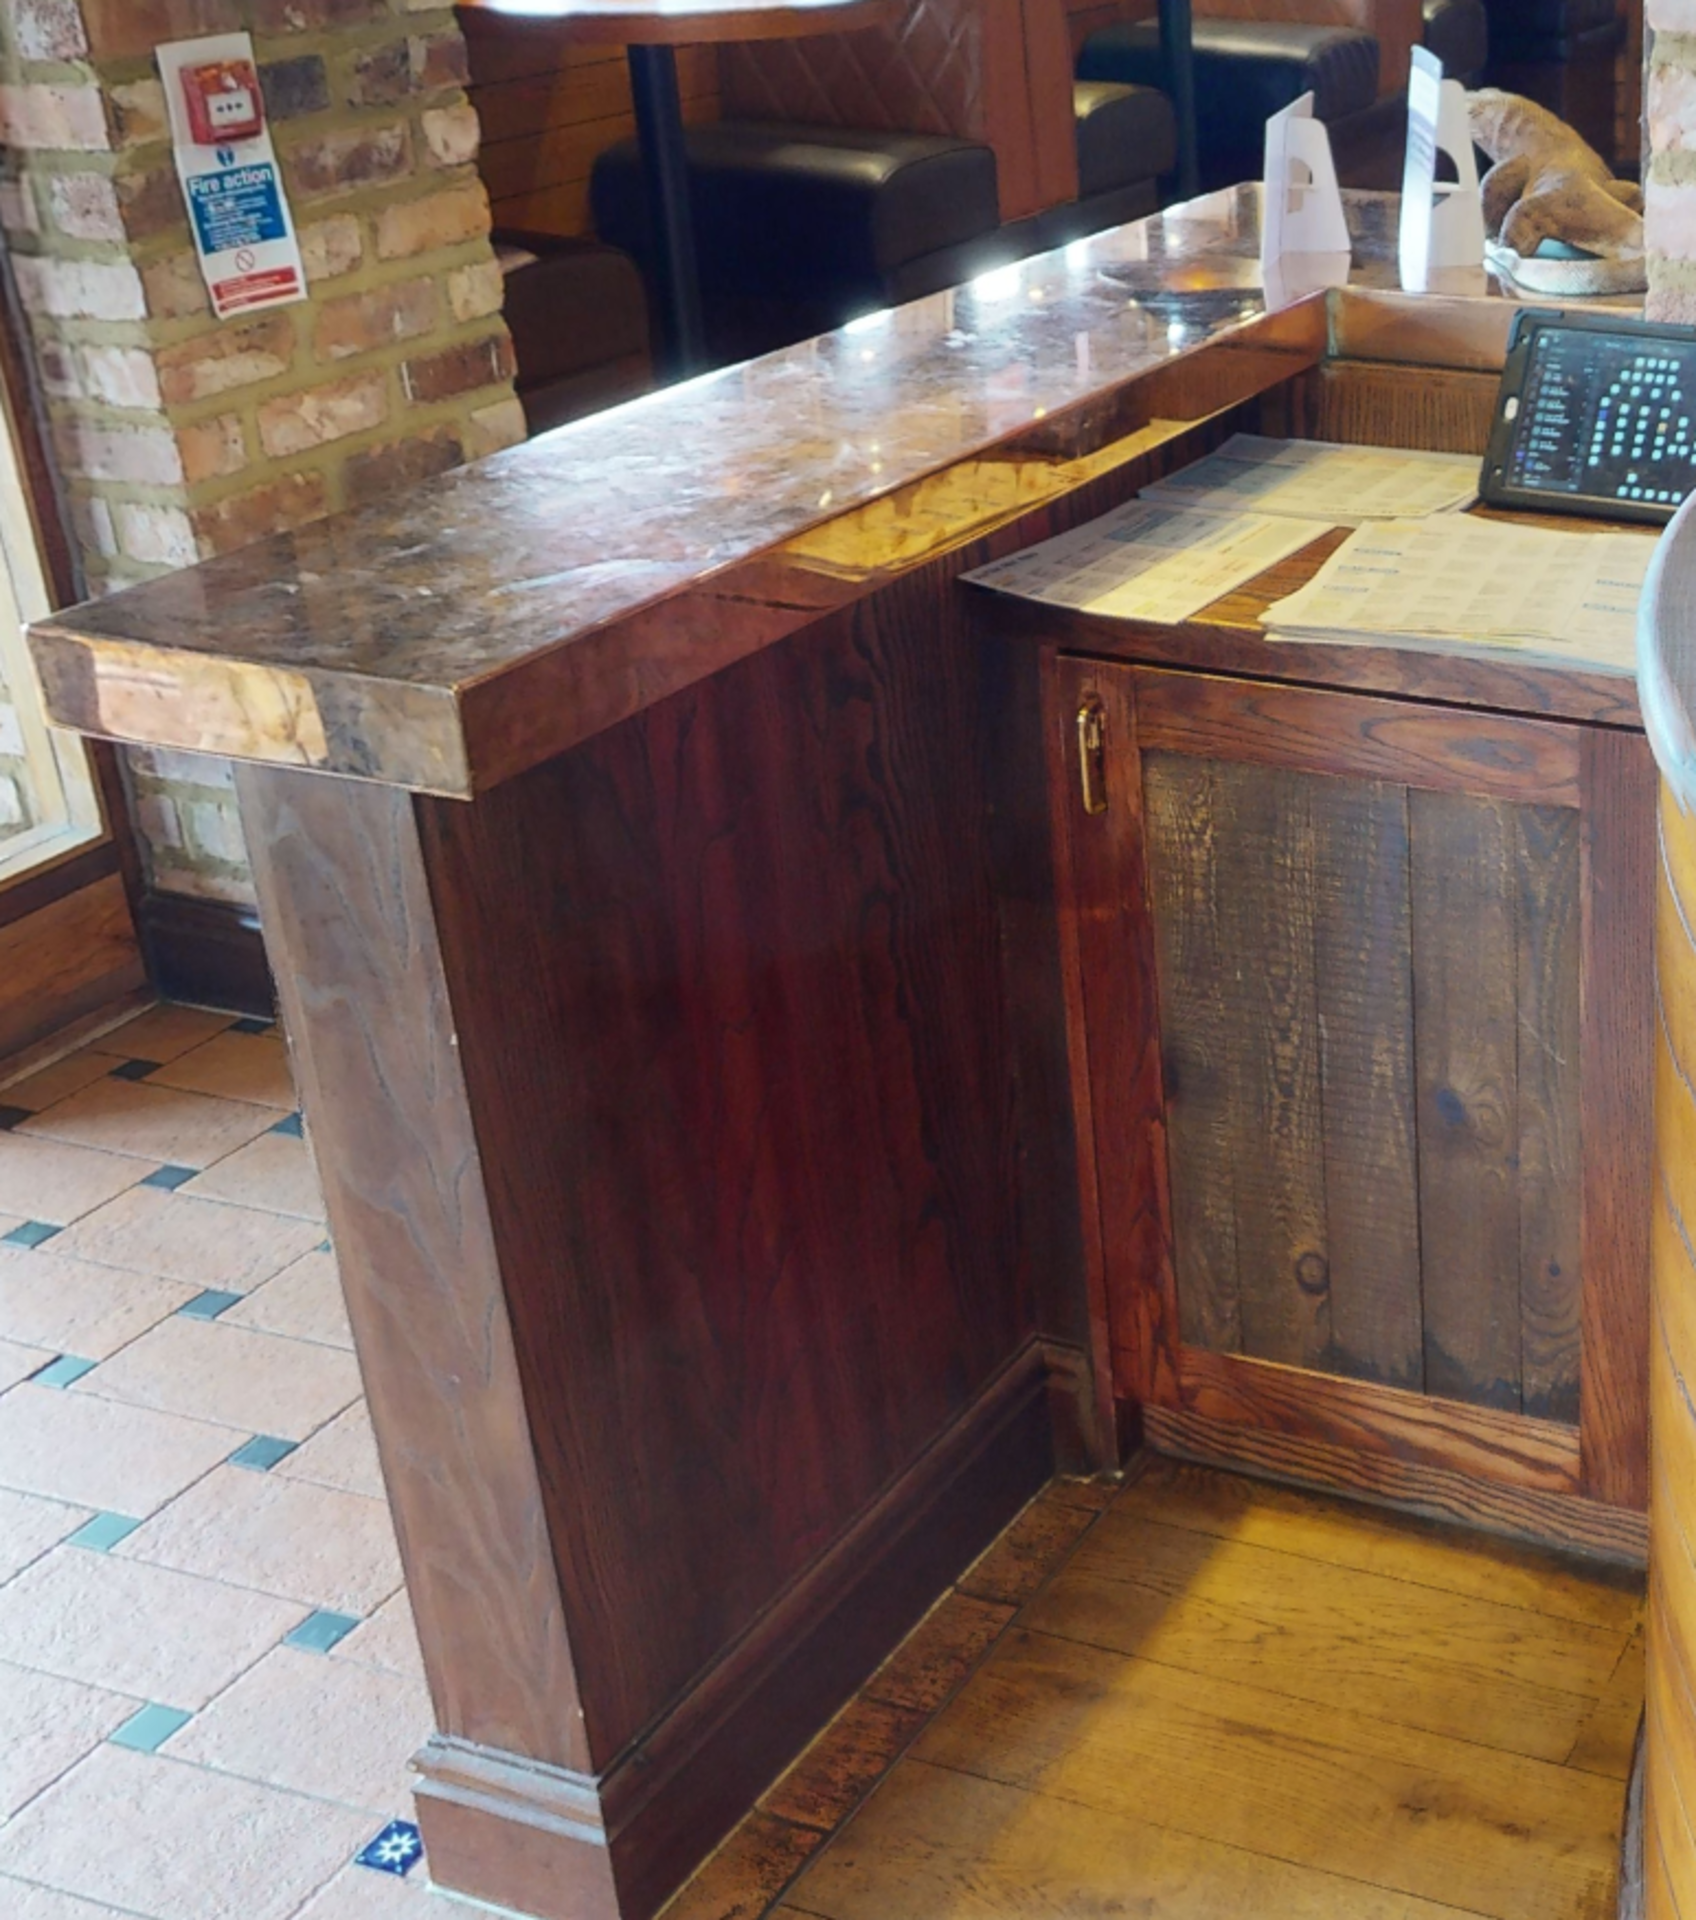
(681, 345)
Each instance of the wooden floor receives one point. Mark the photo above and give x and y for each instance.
(1202, 1698)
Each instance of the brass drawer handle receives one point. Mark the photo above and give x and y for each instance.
(1092, 754)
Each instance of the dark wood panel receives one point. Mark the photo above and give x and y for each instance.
(1369, 1418)
(1616, 1044)
(727, 981)
(70, 959)
(210, 953)
(1550, 1168)
(1197, 1043)
(1344, 733)
(1380, 404)
(1365, 990)
(1466, 982)
(1265, 877)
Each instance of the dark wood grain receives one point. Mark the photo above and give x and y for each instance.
(1201, 1068)
(210, 953)
(1265, 859)
(1616, 1020)
(1377, 403)
(1341, 733)
(1466, 981)
(1362, 941)
(1550, 1160)
(727, 982)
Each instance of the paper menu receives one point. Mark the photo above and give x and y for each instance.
(1342, 486)
(1453, 580)
(1149, 560)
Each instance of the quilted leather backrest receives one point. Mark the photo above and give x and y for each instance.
(1398, 26)
(996, 71)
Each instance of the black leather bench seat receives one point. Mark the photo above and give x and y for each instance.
(579, 323)
(1458, 33)
(1126, 134)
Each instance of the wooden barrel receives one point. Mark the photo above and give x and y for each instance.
(1667, 685)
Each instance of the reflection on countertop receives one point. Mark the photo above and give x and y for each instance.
(452, 634)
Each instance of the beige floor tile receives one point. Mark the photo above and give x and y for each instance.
(73, 1306)
(330, 1728)
(18, 1362)
(139, 1629)
(357, 1893)
(178, 1843)
(8, 1221)
(47, 1724)
(388, 1639)
(235, 1066)
(163, 1032)
(51, 1180)
(275, 1172)
(102, 1453)
(157, 1122)
(30, 1525)
(285, 1537)
(343, 1454)
(21, 1902)
(304, 1301)
(256, 1382)
(205, 1243)
(57, 1082)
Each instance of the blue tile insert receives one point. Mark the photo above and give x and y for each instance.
(134, 1069)
(103, 1532)
(289, 1124)
(397, 1849)
(208, 1305)
(321, 1630)
(262, 1452)
(30, 1234)
(148, 1730)
(11, 1117)
(250, 1025)
(62, 1372)
(170, 1178)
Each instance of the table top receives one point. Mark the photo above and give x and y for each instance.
(688, 22)
(449, 636)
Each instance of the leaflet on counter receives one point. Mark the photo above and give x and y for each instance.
(1317, 480)
(1149, 560)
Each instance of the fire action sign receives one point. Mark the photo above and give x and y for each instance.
(228, 166)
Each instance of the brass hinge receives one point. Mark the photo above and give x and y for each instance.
(1092, 754)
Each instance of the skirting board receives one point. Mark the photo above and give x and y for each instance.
(539, 1840)
(209, 953)
(1550, 1519)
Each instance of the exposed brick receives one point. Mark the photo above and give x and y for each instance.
(1669, 225)
(439, 60)
(212, 449)
(234, 356)
(55, 118)
(364, 321)
(444, 219)
(85, 206)
(120, 376)
(245, 517)
(174, 287)
(1673, 305)
(150, 203)
(214, 830)
(91, 521)
(294, 87)
(297, 16)
(451, 134)
(18, 212)
(138, 114)
(49, 29)
(145, 454)
(296, 422)
(402, 463)
(1671, 16)
(57, 365)
(382, 75)
(1671, 107)
(131, 29)
(477, 290)
(349, 158)
(156, 815)
(330, 248)
(157, 536)
(80, 289)
(461, 369)
(495, 427)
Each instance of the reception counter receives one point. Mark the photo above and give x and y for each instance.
(751, 1126)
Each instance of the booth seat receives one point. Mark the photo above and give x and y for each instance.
(1561, 53)
(799, 228)
(579, 323)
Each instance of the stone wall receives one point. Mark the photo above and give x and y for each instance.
(180, 437)
(1670, 189)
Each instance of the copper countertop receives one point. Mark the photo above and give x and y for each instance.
(455, 634)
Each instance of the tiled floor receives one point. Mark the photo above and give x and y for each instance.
(209, 1682)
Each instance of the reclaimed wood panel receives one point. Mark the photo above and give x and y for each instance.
(1466, 976)
(1365, 989)
(71, 958)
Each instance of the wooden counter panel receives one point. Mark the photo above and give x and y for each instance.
(727, 985)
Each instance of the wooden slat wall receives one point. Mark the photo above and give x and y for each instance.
(1670, 1842)
(1373, 1174)
(548, 108)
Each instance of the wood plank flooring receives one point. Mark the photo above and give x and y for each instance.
(1205, 1698)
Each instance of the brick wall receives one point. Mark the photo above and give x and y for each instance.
(1670, 193)
(180, 437)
